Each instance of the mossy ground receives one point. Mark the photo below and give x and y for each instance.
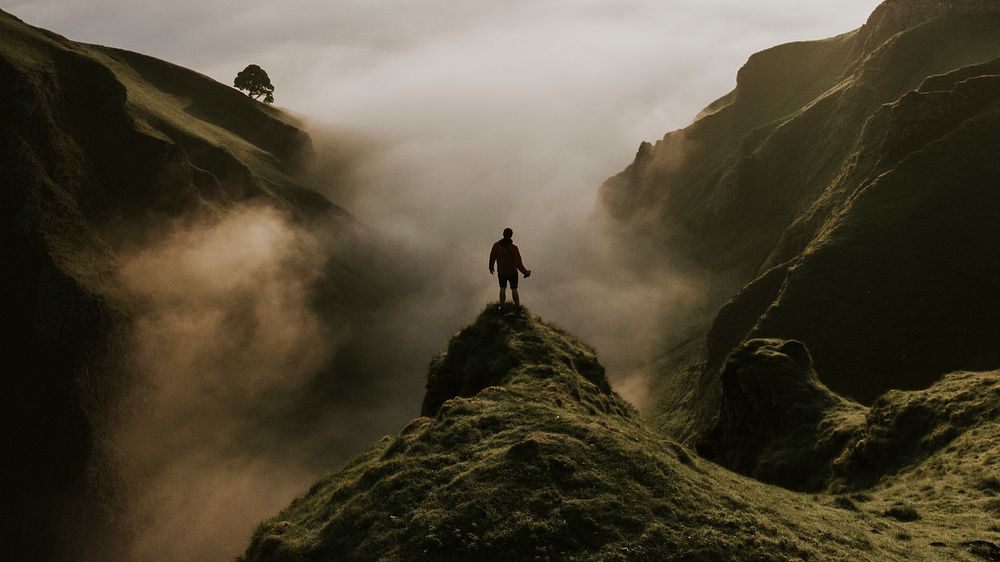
(925, 459)
(545, 465)
(931, 460)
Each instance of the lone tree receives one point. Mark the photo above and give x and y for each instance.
(254, 80)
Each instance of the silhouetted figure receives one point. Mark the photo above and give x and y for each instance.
(507, 258)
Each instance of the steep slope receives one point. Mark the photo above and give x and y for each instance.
(844, 194)
(537, 459)
(99, 150)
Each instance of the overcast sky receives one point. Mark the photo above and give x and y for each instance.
(573, 84)
(629, 69)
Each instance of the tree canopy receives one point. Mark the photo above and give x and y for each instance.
(255, 81)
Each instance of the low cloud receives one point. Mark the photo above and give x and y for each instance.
(224, 339)
(228, 299)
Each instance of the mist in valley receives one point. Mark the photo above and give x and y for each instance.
(436, 124)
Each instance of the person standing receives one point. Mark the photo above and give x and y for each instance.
(507, 258)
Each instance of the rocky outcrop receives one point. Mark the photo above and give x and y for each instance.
(777, 422)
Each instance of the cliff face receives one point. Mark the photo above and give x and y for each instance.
(842, 196)
(98, 149)
(894, 16)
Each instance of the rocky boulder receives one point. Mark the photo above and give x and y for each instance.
(778, 423)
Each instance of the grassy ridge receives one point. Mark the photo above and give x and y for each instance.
(543, 464)
(133, 129)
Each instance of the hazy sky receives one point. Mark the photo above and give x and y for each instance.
(544, 98)
(623, 70)
(518, 106)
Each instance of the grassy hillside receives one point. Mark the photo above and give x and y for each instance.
(99, 150)
(537, 460)
(926, 458)
(840, 196)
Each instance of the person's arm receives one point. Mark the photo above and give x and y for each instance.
(519, 263)
(493, 257)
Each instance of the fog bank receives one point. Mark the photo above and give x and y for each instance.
(224, 340)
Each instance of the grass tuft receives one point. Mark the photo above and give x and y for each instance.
(902, 512)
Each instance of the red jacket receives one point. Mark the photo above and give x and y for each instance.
(507, 257)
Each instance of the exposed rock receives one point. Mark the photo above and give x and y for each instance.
(780, 424)
(777, 422)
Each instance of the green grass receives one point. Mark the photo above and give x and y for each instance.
(543, 463)
(179, 105)
(884, 217)
(141, 127)
(875, 207)
(902, 512)
(109, 141)
(923, 458)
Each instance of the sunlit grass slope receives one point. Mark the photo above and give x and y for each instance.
(146, 131)
(536, 459)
